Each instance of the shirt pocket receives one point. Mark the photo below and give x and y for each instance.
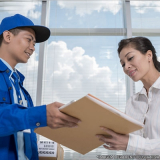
(4, 97)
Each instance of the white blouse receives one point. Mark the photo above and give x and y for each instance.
(145, 109)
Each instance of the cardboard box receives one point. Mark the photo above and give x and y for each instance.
(50, 150)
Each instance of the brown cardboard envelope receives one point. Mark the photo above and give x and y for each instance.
(93, 113)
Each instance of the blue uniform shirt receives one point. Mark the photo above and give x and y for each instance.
(20, 137)
(15, 117)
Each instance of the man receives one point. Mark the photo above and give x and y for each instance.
(18, 116)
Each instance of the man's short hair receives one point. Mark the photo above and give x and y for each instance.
(14, 31)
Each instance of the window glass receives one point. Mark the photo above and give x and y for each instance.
(145, 14)
(86, 14)
(78, 65)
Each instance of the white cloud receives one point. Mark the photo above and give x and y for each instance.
(24, 8)
(106, 54)
(142, 7)
(87, 7)
(70, 74)
(70, 18)
(34, 14)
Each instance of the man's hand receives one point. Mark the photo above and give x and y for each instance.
(114, 141)
(57, 119)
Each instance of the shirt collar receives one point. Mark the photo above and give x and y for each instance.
(143, 91)
(4, 66)
(21, 76)
(156, 84)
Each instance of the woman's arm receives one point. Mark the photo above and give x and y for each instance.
(131, 143)
(113, 140)
(143, 146)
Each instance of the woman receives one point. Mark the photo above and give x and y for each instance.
(139, 61)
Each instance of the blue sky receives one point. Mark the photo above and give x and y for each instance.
(85, 15)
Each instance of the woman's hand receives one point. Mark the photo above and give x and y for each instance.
(114, 141)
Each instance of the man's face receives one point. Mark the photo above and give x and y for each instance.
(21, 46)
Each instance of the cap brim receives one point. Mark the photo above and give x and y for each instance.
(42, 33)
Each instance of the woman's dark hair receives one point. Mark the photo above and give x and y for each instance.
(141, 44)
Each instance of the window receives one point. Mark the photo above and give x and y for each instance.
(86, 14)
(79, 59)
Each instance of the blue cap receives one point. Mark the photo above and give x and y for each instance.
(42, 33)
